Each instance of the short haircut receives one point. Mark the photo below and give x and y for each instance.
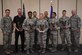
(19, 9)
(64, 11)
(30, 12)
(54, 13)
(45, 11)
(34, 12)
(7, 10)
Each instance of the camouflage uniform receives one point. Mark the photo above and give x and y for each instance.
(48, 33)
(46, 18)
(29, 27)
(42, 25)
(54, 27)
(75, 24)
(6, 27)
(36, 35)
(65, 30)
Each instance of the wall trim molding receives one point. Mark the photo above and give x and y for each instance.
(39, 6)
(57, 8)
(2, 7)
(76, 4)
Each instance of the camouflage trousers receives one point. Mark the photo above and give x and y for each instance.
(42, 39)
(7, 41)
(53, 38)
(29, 39)
(75, 37)
(65, 35)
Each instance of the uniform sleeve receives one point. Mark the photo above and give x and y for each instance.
(47, 26)
(49, 22)
(68, 23)
(37, 26)
(24, 25)
(12, 24)
(79, 22)
(2, 24)
(58, 24)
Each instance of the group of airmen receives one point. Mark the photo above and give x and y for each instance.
(42, 30)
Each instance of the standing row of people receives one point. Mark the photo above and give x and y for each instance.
(41, 31)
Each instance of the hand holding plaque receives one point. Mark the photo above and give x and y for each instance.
(42, 27)
(32, 26)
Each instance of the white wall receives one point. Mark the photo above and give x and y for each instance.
(13, 5)
(44, 5)
(31, 5)
(0, 10)
(66, 5)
